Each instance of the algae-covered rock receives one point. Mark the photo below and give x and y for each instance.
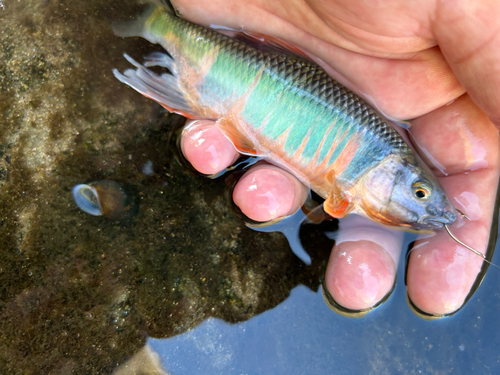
(82, 293)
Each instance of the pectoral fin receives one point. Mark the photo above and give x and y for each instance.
(239, 141)
(337, 204)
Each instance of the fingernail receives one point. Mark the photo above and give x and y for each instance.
(441, 278)
(206, 148)
(360, 275)
(265, 194)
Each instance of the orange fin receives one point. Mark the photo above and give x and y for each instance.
(316, 215)
(239, 141)
(164, 89)
(272, 44)
(337, 204)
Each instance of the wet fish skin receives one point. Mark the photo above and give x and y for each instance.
(290, 111)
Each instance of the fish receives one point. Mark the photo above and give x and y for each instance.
(277, 104)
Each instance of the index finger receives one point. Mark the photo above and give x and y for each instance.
(464, 142)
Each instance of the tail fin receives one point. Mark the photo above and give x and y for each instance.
(141, 26)
(135, 27)
(165, 88)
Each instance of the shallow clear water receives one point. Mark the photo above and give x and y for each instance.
(303, 336)
(181, 274)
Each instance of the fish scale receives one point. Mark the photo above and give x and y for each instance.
(305, 79)
(303, 75)
(308, 78)
(287, 109)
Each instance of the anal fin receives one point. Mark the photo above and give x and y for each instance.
(164, 88)
(239, 141)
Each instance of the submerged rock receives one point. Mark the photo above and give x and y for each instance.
(80, 293)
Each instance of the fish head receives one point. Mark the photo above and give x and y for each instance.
(402, 191)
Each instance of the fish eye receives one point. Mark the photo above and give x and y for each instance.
(421, 191)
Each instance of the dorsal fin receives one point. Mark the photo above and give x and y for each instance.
(271, 44)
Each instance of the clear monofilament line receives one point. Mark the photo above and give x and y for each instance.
(469, 248)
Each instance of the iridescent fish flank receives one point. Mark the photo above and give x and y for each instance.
(282, 107)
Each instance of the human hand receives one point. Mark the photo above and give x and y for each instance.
(389, 52)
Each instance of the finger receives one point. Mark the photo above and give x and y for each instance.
(267, 192)
(468, 33)
(206, 148)
(362, 267)
(389, 27)
(464, 141)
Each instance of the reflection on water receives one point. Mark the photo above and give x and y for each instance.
(83, 293)
(302, 336)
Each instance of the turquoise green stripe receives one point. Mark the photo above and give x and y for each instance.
(345, 132)
(330, 137)
(319, 131)
(227, 81)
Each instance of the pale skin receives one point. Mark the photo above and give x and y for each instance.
(434, 62)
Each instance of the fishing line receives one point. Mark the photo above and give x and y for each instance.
(466, 246)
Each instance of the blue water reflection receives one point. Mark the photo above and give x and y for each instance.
(303, 336)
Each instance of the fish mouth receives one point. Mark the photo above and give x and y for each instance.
(438, 222)
(435, 224)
